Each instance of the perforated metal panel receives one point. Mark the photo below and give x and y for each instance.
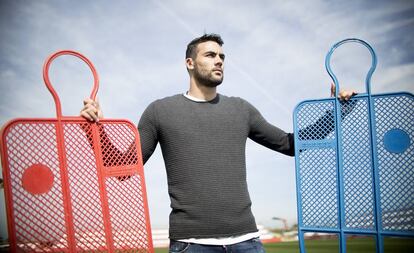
(74, 186)
(355, 164)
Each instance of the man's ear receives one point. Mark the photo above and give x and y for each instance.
(189, 63)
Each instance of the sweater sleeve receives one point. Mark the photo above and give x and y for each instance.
(267, 134)
(276, 139)
(326, 123)
(147, 128)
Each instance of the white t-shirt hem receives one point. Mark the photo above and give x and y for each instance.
(222, 240)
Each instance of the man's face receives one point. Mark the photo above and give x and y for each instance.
(208, 64)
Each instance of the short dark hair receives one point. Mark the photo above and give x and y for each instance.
(191, 47)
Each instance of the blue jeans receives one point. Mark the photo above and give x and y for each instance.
(250, 246)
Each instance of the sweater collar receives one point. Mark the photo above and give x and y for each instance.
(185, 94)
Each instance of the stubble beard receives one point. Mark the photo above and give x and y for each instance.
(207, 79)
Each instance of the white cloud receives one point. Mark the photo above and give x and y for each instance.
(397, 78)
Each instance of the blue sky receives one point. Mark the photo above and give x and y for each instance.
(275, 53)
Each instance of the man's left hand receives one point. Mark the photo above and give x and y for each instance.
(343, 94)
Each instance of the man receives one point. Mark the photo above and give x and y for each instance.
(203, 136)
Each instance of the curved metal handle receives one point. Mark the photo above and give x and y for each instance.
(370, 72)
(49, 85)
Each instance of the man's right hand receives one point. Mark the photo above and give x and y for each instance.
(91, 110)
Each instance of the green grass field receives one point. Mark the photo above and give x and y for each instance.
(354, 245)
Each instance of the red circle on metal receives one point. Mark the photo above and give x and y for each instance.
(37, 179)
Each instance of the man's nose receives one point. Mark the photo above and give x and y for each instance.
(219, 61)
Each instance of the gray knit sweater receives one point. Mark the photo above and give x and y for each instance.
(203, 145)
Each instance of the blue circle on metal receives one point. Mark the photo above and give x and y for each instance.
(396, 141)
